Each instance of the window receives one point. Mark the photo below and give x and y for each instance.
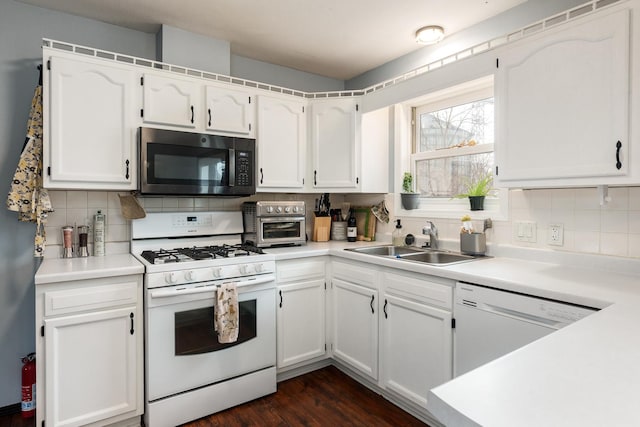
(453, 142)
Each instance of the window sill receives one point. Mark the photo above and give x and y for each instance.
(496, 208)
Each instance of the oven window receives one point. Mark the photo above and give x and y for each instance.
(281, 230)
(194, 333)
(175, 164)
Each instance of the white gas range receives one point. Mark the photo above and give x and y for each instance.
(188, 373)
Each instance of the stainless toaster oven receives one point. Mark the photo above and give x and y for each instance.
(269, 223)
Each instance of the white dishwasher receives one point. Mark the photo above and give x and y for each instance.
(490, 323)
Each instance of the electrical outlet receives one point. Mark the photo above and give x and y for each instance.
(556, 235)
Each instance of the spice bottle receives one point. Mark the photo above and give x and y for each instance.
(98, 233)
(67, 241)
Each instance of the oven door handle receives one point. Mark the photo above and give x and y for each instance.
(177, 291)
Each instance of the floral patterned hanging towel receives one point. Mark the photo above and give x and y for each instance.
(26, 196)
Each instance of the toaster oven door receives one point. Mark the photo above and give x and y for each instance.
(281, 231)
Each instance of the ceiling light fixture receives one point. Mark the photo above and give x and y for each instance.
(430, 34)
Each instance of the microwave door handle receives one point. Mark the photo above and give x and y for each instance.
(232, 167)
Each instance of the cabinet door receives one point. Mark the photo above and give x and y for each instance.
(229, 111)
(355, 326)
(416, 348)
(281, 143)
(300, 320)
(563, 104)
(334, 144)
(91, 370)
(89, 133)
(170, 101)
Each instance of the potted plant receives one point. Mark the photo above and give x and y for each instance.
(477, 190)
(410, 199)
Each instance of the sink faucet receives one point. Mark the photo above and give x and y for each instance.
(430, 230)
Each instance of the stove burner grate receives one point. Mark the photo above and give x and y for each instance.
(162, 256)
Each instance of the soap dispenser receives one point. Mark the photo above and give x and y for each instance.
(397, 237)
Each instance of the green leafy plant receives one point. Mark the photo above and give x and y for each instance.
(481, 187)
(407, 182)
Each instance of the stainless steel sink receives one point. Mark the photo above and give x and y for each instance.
(422, 255)
(434, 257)
(387, 250)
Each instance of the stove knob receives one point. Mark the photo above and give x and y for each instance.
(259, 267)
(287, 209)
(269, 209)
(170, 277)
(296, 209)
(278, 209)
(244, 268)
(217, 271)
(190, 275)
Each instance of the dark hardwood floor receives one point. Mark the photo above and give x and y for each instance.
(325, 397)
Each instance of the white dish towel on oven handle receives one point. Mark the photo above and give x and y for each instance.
(226, 313)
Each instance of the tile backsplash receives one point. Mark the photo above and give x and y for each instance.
(612, 229)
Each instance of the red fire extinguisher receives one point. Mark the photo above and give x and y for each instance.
(29, 386)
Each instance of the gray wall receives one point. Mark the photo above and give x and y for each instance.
(520, 16)
(251, 69)
(21, 29)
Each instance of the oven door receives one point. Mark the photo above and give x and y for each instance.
(182, 349)
(281, 231)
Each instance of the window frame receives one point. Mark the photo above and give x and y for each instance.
(495, 207)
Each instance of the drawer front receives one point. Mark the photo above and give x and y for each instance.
(364, 274)
(88, 298)
(427, 290)
(300, 269)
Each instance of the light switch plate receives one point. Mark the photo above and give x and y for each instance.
(525, 231)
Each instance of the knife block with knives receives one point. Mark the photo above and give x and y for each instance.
(322, 220)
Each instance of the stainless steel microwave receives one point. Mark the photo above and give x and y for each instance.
(188, 163)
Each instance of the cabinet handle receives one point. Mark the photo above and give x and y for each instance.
(209, 117)
(618, 162)
(371, 303)
(385, 308)
(192, 114)
(280, 292)
(315, 177)
(261, 176)
(126, 175)
(131, 317)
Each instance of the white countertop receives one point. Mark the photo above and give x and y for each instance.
(587, 374)
(55, 270)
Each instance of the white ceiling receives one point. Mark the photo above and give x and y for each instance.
(334, 38)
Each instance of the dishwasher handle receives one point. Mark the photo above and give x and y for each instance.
(521, 315)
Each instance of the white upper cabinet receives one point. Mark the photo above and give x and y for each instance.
(89, 124)
(170, 100)
(335, 145)
(563, 105)
(229, 111)
(374, 147)
(281, 144)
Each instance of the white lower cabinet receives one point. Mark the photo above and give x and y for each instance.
(402, 340)
(415, 336)
(300, 315)
(89, 351)
(355, 317)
